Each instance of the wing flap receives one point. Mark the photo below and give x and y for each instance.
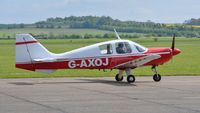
(139, 62)
(144, 60)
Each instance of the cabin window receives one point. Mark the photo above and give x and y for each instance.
(140, 48)
(106, 49)
(123, 47)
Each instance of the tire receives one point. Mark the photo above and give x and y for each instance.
(118, 78)
(156, 77)
(130, 79)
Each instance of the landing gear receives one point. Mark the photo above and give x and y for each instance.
(118, 78)
(130, 78)
(156, 76)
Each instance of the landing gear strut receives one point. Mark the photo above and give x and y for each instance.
(156, 76)
(130, 78)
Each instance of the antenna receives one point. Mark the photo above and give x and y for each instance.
(117, 35)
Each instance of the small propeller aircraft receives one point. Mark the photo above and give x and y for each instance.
(123, 55)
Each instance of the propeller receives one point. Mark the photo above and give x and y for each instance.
(173, 46)
(174, 51)
(173, 42)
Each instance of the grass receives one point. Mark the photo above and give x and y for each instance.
(186, 63)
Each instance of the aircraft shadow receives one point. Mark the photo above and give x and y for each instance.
(108, 82)
(84, 81)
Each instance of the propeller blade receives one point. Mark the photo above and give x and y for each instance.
(173, 42)
(173, 46)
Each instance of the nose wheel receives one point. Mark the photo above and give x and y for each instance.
(156, 76)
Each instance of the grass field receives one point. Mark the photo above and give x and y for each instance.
(186, 63)
(4, 33)
(11, 32)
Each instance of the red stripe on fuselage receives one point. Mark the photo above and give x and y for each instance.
(78, 64)
(29, 67)
(28, 42)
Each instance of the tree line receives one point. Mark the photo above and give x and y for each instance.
(107, 23)
(193, 21)
(148, 28)
(85, 36)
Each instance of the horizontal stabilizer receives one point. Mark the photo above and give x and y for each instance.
(45, 70)
(45, 60)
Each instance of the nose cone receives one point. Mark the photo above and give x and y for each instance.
(176, 51)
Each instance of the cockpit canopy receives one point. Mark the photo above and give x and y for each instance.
(121, 47)
(139, 47)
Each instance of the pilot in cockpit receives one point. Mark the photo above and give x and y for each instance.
(120, 48)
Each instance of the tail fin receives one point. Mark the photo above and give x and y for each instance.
(28, 50)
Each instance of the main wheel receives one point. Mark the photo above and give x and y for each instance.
(130, 79)
(118, 78)
(156, 77)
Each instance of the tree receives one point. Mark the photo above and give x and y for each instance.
(87, 36)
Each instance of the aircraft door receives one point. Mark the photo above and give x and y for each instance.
(106, 49)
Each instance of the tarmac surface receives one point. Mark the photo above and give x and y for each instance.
(100, 95)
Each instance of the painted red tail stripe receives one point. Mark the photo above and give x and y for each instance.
(28, 42)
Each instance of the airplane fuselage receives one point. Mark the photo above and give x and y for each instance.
(123, 55)
(64, 61)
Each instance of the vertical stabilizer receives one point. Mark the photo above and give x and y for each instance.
(28, 49)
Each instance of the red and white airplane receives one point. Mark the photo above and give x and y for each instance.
(123, 55)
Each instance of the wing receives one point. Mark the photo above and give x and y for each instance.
(138, 62)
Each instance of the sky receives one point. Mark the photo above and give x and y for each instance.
(160, 11)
